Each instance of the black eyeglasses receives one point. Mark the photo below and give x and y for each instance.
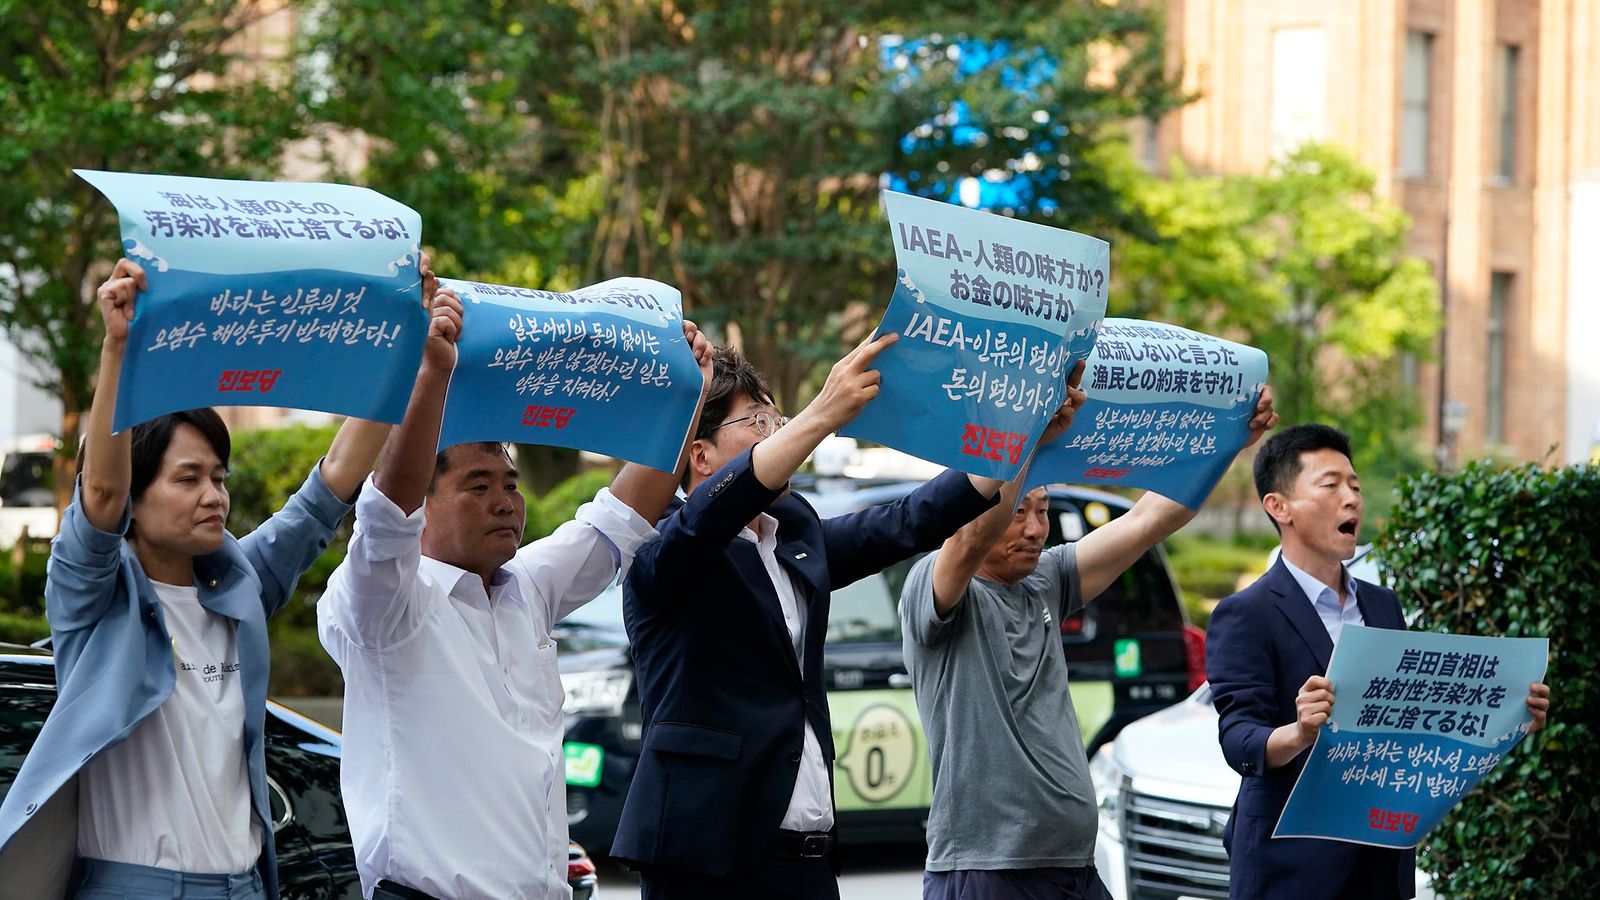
(766, 424)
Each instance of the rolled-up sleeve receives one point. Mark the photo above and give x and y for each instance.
(373, 599)
(81, 577)
(584, 556)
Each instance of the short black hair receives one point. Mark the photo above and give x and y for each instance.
(441, 461)
(731, 375)
(151, 439)
(1278, 462)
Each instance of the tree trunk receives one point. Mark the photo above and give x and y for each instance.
(65, 467)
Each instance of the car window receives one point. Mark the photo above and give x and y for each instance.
(865, 611)
(596, 625)
(22, 713)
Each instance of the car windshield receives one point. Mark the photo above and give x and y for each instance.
(596, 625)
(863, 612)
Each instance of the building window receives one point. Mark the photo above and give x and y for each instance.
(1299, 88)
(1495, 365)
(1416, 104)
(1505, 168)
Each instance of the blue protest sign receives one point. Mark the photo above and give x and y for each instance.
(605, 368)
(1418, 718)
(264, 294)
(1168, 410)
(992, 312)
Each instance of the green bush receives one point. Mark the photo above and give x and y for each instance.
(1515, 552)
(1208, 569)
(22, 628)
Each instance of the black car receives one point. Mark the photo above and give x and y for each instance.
(1130, 653)
(315, 858)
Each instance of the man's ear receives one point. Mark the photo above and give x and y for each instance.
(699, 461)
(1277, 506)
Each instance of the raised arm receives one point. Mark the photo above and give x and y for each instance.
(964, 551)
(350, 456)
(851, 384)
(108, 458)
(647, 490)
(1108, 551)
(405, 466)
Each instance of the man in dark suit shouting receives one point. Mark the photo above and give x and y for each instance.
(726, 611)
(1267, 651)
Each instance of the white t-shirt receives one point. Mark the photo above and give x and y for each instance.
(176, 793)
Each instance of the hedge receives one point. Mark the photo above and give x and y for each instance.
(1514, 551)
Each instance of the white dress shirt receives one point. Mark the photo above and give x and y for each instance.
(453, 777)
(811, 804)
(176, 794)
(1325, 600)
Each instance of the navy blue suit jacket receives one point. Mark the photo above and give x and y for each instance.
(720, 689)
(1261, 646)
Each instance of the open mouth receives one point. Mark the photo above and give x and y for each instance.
(1349, 526)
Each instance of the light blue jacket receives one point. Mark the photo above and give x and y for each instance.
(114, 666)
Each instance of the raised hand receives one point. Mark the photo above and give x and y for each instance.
(704, 354)
(444, 331)
(430, 281)
(1061, 419)
(116, 298)
(1266, 417)
(851, 384)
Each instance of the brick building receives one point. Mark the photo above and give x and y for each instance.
(1481, 118)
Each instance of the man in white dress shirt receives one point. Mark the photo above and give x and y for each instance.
(452, 775)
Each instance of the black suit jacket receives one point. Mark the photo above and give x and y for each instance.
(720, 690)
(1261, 646)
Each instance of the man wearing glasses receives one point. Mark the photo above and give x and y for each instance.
(726, 611)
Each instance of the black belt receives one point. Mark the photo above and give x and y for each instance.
(389, 890)
(805, 844)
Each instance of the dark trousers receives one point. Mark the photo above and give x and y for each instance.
(1373, 877)
(1015, 884)
(778, 877)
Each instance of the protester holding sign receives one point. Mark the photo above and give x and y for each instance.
(1267, 651)
(158, 622)
(726, 612)
(452, 767)
(1013, 812)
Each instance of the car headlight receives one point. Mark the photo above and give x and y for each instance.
(1107, 779)
(599, 692)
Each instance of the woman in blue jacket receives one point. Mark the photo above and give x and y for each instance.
(148, 779)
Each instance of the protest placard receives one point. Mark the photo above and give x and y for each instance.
(1168, 409)
(992, 313)
(605, 368)
(304, 296)
(1418, 718)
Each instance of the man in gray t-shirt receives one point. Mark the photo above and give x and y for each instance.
(1013, 810)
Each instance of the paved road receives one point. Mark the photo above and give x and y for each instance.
(876, 873)
(870, 873)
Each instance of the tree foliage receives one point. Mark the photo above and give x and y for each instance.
(134, 85)
(734, 150)
(1514, 552)
(1304, 261)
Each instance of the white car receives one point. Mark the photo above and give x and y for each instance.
(1164, 793)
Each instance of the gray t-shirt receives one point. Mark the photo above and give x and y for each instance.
(1011, 785)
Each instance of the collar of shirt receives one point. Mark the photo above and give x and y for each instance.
(765, 534)
(1316, 591)
(465, 586)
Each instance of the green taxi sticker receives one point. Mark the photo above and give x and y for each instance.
(1125, 658)
(583, 763)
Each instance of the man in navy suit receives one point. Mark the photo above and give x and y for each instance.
(726, 611)
(1267, 650)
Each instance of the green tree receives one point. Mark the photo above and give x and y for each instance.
(135, 85)
(1304, 261)
(734, 150)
